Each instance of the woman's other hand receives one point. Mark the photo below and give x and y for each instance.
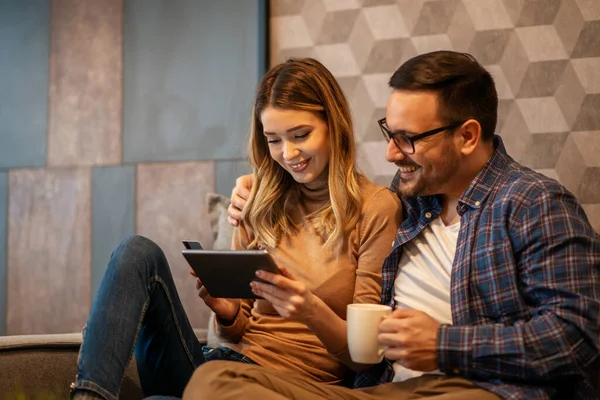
(239, 198)
(225, 309)
(289, 296)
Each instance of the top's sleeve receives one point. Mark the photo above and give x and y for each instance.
(382, 215)
(381, 218)
(235, 331)
(558, 260)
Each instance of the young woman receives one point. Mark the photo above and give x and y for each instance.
(327, 227)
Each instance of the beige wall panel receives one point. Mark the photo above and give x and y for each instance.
(171, 208)
(85, 99)
(48, 250)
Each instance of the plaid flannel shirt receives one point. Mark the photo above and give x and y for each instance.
(525, 286)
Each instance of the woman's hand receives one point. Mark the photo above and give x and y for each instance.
(225, 309)
(239, 198)
(289, 296)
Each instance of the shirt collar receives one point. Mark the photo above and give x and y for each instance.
(477, 192)
(481, 186)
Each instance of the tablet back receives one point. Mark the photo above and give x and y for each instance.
(228, 273)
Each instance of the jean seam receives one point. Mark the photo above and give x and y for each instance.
(168, 294)
(157, 278)
(80, 353)
(89, 385)
(135, 338)
(137, 332)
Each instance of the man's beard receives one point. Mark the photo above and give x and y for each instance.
(431, 184)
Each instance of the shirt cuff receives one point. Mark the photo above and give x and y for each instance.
(454, 349)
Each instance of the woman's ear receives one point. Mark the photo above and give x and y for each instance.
(470, 136)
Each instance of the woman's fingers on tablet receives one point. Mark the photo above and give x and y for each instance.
(202, 292)
(263, 289)
(276, 279)
(290, 306)
(192, 272)
(208, 300)
(283, 282)
(276, 295)
(199, 287)
(286, 272)
(267, 276)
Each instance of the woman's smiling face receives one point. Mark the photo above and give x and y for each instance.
(299, 142)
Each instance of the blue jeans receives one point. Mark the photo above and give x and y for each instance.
(137, 311)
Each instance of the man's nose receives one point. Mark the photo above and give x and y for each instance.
(392, 153)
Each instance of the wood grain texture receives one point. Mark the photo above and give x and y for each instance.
(48, 250)
(3, 243)
(170, 208)
(86, 88)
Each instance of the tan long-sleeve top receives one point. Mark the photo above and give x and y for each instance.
(349, 273)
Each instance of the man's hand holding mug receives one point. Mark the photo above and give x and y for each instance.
(406, 336)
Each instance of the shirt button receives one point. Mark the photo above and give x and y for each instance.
(455, 371)
(477, 203)
(428, 215)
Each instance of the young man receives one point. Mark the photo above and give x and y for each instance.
(494, 274)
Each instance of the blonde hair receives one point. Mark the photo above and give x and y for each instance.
(302, 84)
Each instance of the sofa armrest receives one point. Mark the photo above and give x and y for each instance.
(45, 365)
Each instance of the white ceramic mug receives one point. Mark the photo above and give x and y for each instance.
(362, 322)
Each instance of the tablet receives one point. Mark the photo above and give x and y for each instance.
(228, 273)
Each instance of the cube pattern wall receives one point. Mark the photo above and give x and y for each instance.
(543, 54)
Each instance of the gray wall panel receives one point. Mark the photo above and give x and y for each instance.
(24, 49)
(3, 249)
(113, 214)
(226, 173)
(190, 71)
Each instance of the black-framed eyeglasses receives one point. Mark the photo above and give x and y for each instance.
(405, 143)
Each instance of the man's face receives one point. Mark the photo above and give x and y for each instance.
(433, 167)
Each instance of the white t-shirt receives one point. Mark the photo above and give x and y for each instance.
(423, 280)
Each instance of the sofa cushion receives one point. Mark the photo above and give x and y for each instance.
(44, 366)
(217, 214)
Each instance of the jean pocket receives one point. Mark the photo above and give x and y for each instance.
(224, 353)
(246, 360)
(212, 353)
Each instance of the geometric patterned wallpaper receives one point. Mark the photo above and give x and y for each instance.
(543, 54)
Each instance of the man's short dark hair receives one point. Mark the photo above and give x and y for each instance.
(465, 89)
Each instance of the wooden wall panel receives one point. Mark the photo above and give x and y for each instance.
(48, 250)
(171, 208)
(85, 99)
(3, 243)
